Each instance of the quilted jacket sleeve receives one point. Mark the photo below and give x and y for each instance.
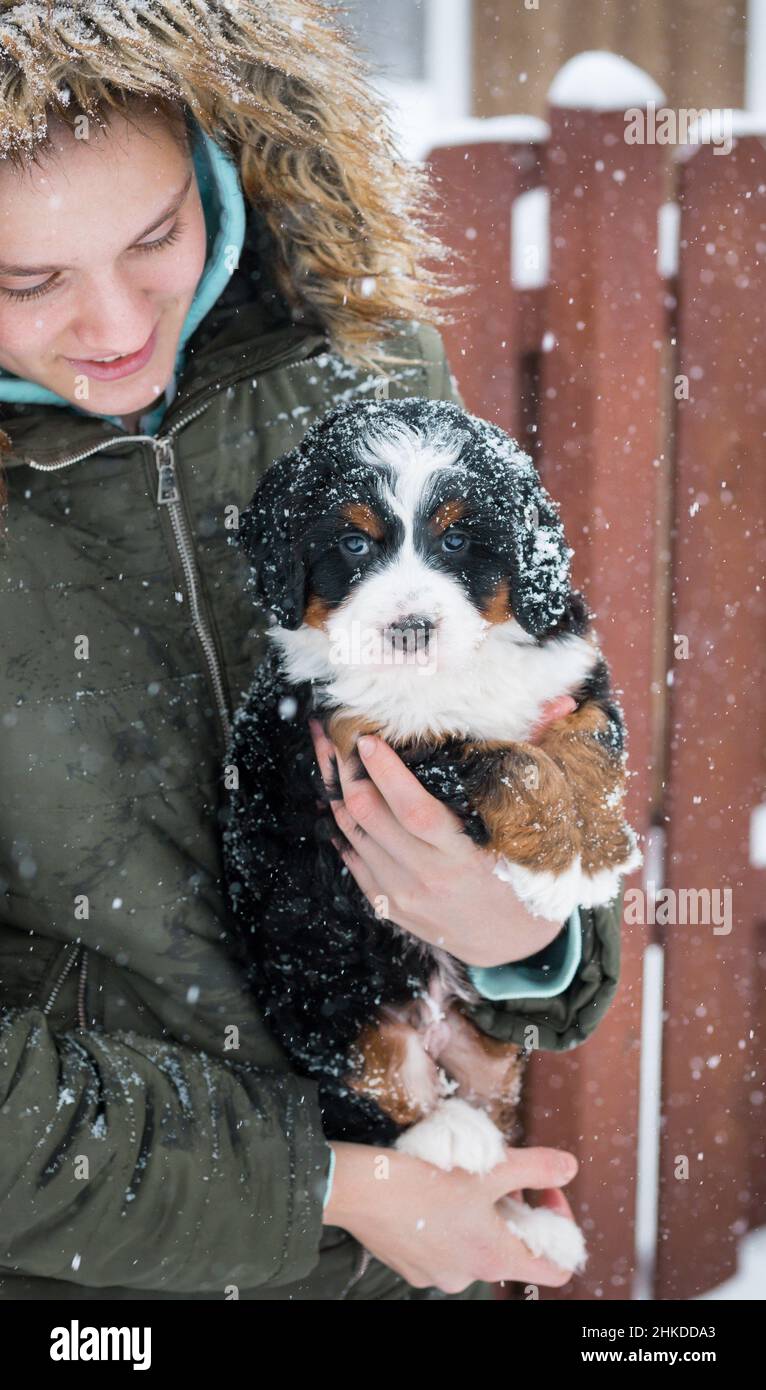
(567, 1018)
(128, 1162)
(541, 975)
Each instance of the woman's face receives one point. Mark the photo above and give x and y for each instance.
(101, 251)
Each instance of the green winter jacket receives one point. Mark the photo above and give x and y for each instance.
(154, 1142)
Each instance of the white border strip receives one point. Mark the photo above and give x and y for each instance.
(648, 1168)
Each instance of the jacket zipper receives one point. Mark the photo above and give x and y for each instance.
(232, 379)
(74, 951)
(168, 495)
(362, 1263)
(81, 987)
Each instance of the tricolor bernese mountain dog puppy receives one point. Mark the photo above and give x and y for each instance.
(418, 579)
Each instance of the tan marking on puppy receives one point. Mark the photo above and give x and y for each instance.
(391, 1067)
(498, 609)
(597, 776)
(345, 729)
(528, 807)
(446, 514)
(588, 718)
(361, 515)
(547, 801)
(316, 612)
(489, 1073)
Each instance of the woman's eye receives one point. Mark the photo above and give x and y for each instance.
(355, 544)
(454, 541)
(31, 293)
(167, 240)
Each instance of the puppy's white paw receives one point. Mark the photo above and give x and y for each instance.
(546, 1233)
(546, 894)
(557, 895)
(455, 1135)
(596, 890)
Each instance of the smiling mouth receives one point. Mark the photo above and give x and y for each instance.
(113, 365)
(112, 356)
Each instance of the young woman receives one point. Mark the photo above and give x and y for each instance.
(207, 195)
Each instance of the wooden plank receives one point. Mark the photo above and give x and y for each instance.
(713, 1060)
(478, 184)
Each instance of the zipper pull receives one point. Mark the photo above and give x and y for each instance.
(167, 484)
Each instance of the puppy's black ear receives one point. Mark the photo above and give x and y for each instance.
(540, 579)
(273, 527)
(269, 533)
(577, 617)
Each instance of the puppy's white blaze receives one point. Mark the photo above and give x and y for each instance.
(413, 458)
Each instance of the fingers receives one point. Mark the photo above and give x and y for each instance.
(535, 1269)
(363, 847)
(384, 878)
(421, 814)
(532, 1168)
(553, 1198)
(364, 876)
(364, 807)
(324, 752)
(366, 810)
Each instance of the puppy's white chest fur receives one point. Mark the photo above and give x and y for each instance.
(496, 692)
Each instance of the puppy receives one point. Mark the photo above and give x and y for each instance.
(418, 579)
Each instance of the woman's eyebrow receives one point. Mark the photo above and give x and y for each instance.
(172, 207)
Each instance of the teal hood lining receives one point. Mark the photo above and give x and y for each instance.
(226, 220)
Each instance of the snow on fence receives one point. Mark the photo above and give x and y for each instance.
(616, 326)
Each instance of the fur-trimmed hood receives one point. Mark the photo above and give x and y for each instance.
(280, 88)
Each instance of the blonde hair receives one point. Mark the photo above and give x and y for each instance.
(278, 84)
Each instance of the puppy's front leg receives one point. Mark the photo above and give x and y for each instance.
(526, 805)
(587, 746)
(489, 1073)
(391, 1066)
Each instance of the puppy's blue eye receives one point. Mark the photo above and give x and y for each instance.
(356, 544)
(453, 541)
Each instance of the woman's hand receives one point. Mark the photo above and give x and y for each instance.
(418, 869)
(443, 1229)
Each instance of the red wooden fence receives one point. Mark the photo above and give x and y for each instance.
(664, 501)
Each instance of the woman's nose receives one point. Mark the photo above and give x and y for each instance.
(114, 317)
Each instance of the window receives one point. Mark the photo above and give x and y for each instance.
(420, 51)
(392, 36)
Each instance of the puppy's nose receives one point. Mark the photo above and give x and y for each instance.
(412, 631)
